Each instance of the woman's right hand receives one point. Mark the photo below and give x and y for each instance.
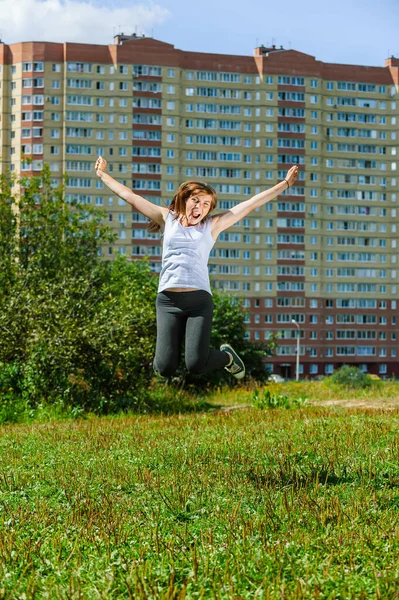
(101, 165)
(292, 175)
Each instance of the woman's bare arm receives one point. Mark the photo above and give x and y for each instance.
(228, 218)
(140, 204)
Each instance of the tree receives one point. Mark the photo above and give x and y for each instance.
(8, 227)
(72, 328)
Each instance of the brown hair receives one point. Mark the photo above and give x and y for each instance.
(185, 191)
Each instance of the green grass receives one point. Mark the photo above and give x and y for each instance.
(299, 503)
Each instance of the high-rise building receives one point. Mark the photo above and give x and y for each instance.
(320, 261)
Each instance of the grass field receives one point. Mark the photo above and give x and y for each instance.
(236, 504)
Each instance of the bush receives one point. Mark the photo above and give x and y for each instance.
(81, 341)
(351, 377)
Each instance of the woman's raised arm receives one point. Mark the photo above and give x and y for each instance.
(140, 204)
(228, 218)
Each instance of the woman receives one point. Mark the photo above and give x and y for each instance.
(184, 301)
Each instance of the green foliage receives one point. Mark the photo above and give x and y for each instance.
(81, 343)
(351, 377)
(75, 330)
(8, 224)
(41, 238)
(267, 399)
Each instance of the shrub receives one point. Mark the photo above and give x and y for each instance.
(351, 377)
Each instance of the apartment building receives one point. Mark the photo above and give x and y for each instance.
(320, 262)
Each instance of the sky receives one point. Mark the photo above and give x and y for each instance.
(363, 32)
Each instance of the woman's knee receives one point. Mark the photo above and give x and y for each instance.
(196, 366)
(165, 369)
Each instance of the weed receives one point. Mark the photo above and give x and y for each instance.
(267, 399)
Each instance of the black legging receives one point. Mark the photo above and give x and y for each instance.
(188, 313)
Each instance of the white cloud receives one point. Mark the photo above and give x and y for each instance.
(75, 20)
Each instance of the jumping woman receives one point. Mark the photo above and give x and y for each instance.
(184, 303)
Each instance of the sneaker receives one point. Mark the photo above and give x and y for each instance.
(236, 367)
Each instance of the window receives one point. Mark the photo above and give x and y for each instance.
(73, 67)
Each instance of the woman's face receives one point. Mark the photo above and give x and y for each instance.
(197, 207)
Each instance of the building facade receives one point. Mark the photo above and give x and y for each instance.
(319, 262)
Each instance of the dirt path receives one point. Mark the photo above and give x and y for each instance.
(378, 403)
(367, 403)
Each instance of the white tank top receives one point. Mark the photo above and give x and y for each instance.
(185, 255)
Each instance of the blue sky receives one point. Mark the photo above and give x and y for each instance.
(343, 31)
